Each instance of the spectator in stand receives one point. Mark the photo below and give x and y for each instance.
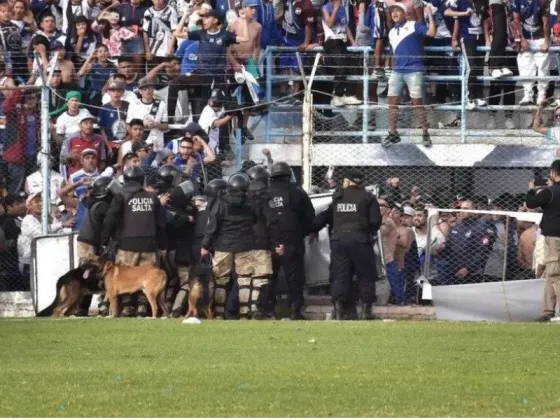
(296, 19)
(406, 40)
(112, 33)
(31, 228)
(131, 77)
(11, 43)
(158, 25)
(98, 73)
(162, 74)
(164, 157)
(68, 123)
(501, 22)
(72, 154)
(214, 41)
(552, 134)
(20, 147)
(135, 135)
(470, 31)
(192, 129)
(72, 10)
(34, 182)
(191, 161)
(112, 117)
(128, 95)
(41, 41)
(79, 183)
(83, 42)
(23, 18)
(270, 33)
(57, 95)
(214, 117)
(68, 70)
(152, 111)
(532, 35)
(131, 16)
(245, 55)
(437, 240)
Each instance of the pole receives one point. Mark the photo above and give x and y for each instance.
(463, 99)
(365, 106)
(45, 154)
(238, 135)
(268, 124)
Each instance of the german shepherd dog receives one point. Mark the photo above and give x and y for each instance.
(121, 279)
(201, 291)
(71, 289)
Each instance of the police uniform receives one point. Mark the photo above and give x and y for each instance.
(137, 221)
(290, 215)
(230, 232)
(468, 246)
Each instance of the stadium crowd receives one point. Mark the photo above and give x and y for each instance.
(119, 73)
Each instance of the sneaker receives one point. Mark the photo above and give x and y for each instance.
(245, 132)
(453, 124)
(471, 105)
(491, 125)
(338, 101)
(391, 139)
(544, 318)
(388, 72)
(510, 125)
(426, 140)
(507, 72)
(497, 73)
(480, 102)
(351, 100)
(526, 101)
(378, 73)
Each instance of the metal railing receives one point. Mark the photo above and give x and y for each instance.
(365, 79)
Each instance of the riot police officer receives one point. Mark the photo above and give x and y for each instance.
(170, 177)
(263, 249)
(137, 221)
(356, 218)
(290, 215)
(89, 238)
(230, 232)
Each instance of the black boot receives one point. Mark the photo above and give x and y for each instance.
(338, 311)
(366, 312)
(296, 312)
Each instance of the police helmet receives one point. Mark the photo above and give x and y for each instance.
(215, 188)
(182, 194)
(100, 187)
(258, 173)
(187, 188)
(238, 182)
(170, 175)
(280, 169)
(134, 173)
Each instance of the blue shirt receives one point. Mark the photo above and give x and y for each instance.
(270, 33)
(188, 54)
(81, 192)
(406, 41)
(195, 172)
(212, 50)
(99, 75)
(340, 20)
(531, 14)
(470, 26)
(32, 132)
(108, 115)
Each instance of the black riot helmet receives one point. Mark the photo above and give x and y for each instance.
(170, 175)
(280, 169)
(134, 173)
(258, 173)
(100, 187)
(238, 182)
(182, 194)
(215, 188)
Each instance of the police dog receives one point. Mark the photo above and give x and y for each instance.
(71, 289)
(121, 279)
(201, 291)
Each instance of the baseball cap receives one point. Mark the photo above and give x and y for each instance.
(86, 152)
(193, 128)
(140, 145)
(56, 45)
(145, 83)
(162, 155)
(116, 85)
(408, 211)
(214, 14)
(250, 3)
(86, 117)
(399, 5)
(354, 175)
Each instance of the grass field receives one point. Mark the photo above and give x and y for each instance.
(145, 368)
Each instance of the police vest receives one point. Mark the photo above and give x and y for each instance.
(139, 216)
(351, 213)
(90, 232)
(282, 208)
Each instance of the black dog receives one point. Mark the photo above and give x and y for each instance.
(201, 291)
(71, 289)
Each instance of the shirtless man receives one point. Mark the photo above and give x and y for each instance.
(390, 236)
(525, 252)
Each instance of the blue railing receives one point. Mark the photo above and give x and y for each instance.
(271, 78)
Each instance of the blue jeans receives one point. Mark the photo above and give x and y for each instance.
(396, 280)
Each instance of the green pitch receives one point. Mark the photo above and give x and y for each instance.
(145, 368)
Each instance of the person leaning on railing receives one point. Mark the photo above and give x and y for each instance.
(552, 134)
(546, 195)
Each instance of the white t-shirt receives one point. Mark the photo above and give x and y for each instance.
(159, 25)
(207, 119)
(128, 96)
(81, 9)
(146, 112)
(437, 238)
(69, 125)
(34, 183)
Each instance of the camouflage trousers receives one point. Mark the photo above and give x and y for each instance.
(253, 270)
(133, 259)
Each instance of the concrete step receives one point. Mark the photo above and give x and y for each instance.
(16, 304)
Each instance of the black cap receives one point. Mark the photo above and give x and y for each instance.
(193, 128)
(140, 145)
(354, 175)
(214, 14)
